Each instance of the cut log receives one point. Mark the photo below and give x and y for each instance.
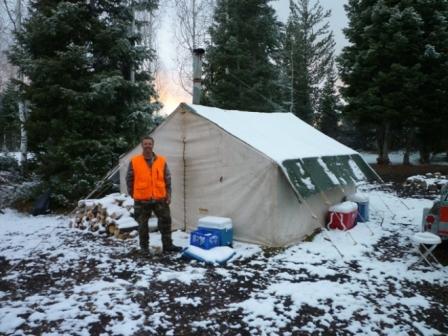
(90, 215)
(110, 214)
(111, 228)
(125, 235)
(102, 219)
(95, 227)
(133, 234)
(126, 229)
(121, 235)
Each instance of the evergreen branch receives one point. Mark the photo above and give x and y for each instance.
(273, 104)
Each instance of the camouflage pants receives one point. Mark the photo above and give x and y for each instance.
(142, 212)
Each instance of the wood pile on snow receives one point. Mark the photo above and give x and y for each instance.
(111, 215)
(431, 182)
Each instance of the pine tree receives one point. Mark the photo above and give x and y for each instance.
(88, 97)
(9, 121)
(309, 49)
(329, 105)
(239, 69)
(431, 114)
(390, 67)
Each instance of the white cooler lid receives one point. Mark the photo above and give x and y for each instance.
(357, 197)
(213, 222)
(345, 207)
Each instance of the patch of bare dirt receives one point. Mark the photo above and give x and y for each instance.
(399, 173)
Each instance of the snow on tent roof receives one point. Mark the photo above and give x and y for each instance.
(312, 161)
(279, 135)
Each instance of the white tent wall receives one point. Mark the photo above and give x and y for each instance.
(245, 192)
(216, 173)
(226, 177)
(299, 217)
(293, 219)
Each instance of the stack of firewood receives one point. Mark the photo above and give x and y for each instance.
(111, 215)
(431, 182)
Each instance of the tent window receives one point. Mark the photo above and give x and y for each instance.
(341, 169)
(365, 169)
(313, 175)
(300, 177)
(321, 175)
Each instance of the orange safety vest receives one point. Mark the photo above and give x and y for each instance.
(149, 182)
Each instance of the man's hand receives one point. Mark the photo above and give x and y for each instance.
(168, 199)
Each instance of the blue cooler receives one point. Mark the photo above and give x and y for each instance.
(363, 206)
(221, 226)
(203, 239)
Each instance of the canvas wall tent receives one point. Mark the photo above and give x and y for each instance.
(272, 173)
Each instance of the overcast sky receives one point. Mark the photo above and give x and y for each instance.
(170, 92)
(338, 19)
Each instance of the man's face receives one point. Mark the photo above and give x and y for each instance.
(147, 146)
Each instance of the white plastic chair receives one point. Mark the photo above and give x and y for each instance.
(425, 243)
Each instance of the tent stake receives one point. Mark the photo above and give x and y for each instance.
(367, 226)
(351, 236)
(325, 230)
(388, 208)
(404, 204)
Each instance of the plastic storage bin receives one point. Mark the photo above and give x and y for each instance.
(363, 206)
(342, 216)
(221, 226)
(203, 239)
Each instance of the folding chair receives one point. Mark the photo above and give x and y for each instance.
(425, 243)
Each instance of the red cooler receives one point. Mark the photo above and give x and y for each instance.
(342, 216)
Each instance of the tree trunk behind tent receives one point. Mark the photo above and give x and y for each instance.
(383, 135)
(425, 154)
(407, 150)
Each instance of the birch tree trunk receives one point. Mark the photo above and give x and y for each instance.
(23, 133)
(193, 20)
(22, 104)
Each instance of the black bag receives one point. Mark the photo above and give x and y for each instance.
(42, 204)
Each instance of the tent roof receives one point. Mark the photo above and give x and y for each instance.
(312, 161)
(278, 135)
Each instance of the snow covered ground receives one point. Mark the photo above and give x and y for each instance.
(60, 281)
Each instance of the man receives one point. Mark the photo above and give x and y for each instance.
(149, 184)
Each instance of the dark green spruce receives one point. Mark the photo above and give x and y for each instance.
(85, 110)
(329, 106)
(240, 71)
(9, 119)
(395, 72)
(308, 54)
